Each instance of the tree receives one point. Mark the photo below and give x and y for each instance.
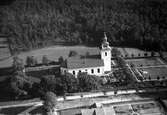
(87, 54)
(45, 60)
(158, 78)
(145, 54)
(70, 83)
(18, 65)
(61, 59)
(31, 61)
(50, 83)
(72, 53)
(132, 55)
(88, 82)
(152, 53)
(15, 90)
(121, 62)
(115, 52)
(20, 84)
(50, 102)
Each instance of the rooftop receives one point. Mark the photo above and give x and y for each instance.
(73, 63)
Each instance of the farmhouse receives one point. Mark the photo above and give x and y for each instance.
(93, 66)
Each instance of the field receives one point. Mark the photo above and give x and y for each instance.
(146, 108)
(145, 62)
(53, 53)
(13, 110)
(123, 110)
(136, 52)
(154, 72)
(4, 50)
(138, 109)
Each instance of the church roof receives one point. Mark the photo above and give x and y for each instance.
(74, 63)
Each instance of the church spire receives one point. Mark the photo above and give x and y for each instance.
(105, 37)
(105, 43)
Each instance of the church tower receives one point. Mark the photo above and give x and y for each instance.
(106, 53)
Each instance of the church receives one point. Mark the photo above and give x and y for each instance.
(93, 66)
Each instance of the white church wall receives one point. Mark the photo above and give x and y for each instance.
(106, 56)
(96, 71)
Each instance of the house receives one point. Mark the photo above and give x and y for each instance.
(93, 66)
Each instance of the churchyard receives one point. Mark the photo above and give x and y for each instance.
(139, 109)
(141, 62)
(149, 69)
(154, 73)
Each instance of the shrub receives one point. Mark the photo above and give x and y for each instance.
(31, 61)
(45, 60)
(88, 82)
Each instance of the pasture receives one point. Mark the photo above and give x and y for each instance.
(4, 50)
(53, 53)
(152, 73)
(154, 61)
(128, 52)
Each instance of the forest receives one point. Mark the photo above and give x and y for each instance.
(31, 24)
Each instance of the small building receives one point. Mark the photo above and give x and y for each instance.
(93, 66)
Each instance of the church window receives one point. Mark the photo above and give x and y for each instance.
(92, 70)
(105, 53)
(73, 72)
(98, 70)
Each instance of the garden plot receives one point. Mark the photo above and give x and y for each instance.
(147, 108)
(145, 62)
(151, 108)
(154, 73)
(123, 110)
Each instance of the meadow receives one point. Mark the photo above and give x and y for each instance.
(53, 53)
(154, 72)
(153, 61)
(135, 52)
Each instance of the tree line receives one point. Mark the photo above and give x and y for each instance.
(33, 24)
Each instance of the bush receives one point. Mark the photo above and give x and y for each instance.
(45, 60)
(72, 53)
(88, 82)
(146, 54)
(70, 83)
(50, 101)
(31, 61)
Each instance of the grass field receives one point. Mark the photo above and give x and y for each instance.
(136, 52)
(154, 72)
(13, 110)
(147, 108)
(4, 50)
(146, 61)
(122, 110)
(138, 109)
(53, 53)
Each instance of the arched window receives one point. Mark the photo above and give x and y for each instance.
(98, 70)
(105, 53)
(92, 70)
(73, 72)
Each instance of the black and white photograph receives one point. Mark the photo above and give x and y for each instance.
(83, 57)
